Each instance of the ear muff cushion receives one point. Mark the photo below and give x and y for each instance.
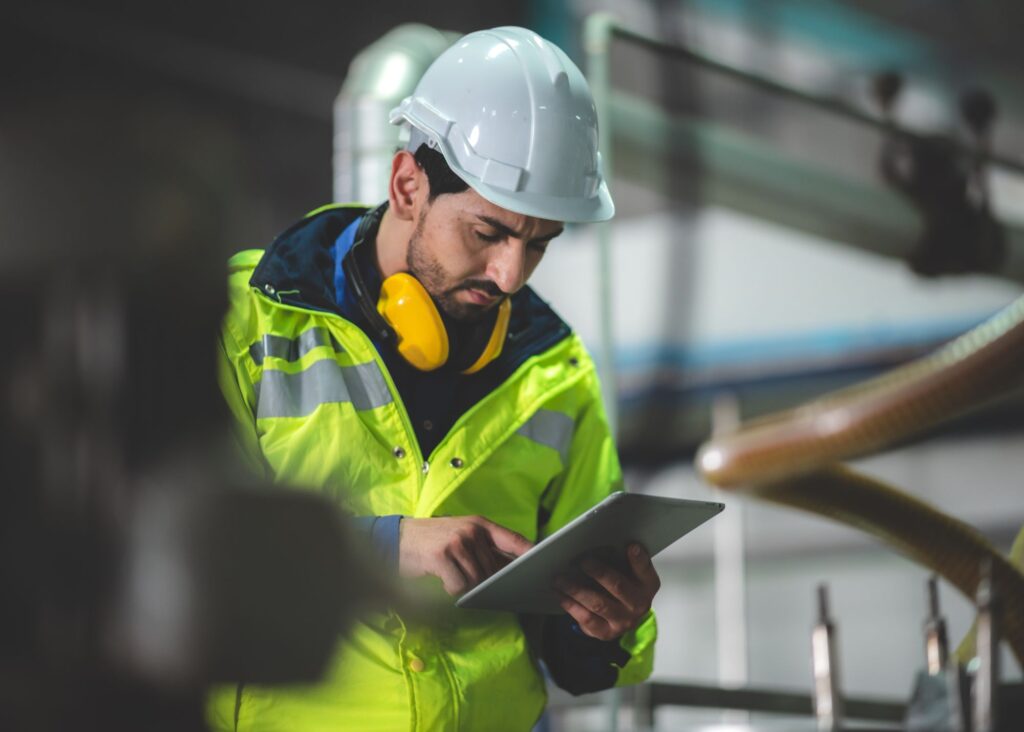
(421, 338)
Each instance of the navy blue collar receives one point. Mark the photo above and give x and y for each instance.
(344, 296)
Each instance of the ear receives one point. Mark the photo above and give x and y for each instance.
(408, 188)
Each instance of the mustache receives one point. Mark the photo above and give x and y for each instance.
(485, 286)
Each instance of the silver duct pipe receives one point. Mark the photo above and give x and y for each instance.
(380, 76)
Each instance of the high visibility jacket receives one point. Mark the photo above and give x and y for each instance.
(315, 404)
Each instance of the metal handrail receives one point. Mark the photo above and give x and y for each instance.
(600, 28)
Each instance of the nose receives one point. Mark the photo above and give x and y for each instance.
(507, 266)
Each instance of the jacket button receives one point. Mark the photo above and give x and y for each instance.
(456, 462)
(417, 665)
(398, 452)
(269, 288)
(574, 361)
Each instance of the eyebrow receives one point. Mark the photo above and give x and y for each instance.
(509, 231)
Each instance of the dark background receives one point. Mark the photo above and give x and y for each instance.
(142, 125)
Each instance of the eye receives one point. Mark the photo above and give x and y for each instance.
(490, 238)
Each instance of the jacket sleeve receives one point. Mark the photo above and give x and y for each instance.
(380, 533)
(577, 662)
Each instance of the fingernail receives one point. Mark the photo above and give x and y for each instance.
(635, 550)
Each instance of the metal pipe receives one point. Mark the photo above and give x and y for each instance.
(597, 30)
(379, 77)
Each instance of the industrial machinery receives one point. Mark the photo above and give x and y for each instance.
(940, 222)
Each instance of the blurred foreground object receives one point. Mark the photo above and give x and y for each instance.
(138, 562)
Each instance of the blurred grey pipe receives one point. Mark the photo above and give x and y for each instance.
(380, 76)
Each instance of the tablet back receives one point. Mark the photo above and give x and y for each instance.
(604, 531)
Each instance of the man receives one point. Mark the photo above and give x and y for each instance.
(394, 359)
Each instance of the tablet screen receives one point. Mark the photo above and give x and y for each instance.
(603, 532)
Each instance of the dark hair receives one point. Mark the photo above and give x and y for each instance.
(439, 175)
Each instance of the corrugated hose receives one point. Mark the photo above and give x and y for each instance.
(792, 457)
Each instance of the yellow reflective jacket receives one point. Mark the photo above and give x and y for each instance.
(315, 405)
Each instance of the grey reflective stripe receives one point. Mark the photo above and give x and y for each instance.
(551, 429)
(280, 394)
(292, 349)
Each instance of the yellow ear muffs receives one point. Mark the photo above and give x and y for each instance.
(420, 334)
(493, 348)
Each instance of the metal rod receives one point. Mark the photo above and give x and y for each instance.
(828, 703)
(730, 566)
(935, 639)
(768, 701)
(596, 43)
(984, 693)
(750, 699)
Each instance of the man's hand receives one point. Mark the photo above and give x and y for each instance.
(461, 550)
(619, 602)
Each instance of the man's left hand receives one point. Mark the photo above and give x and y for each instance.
(620, 600)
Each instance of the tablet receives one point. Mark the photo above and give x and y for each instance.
(524, 585)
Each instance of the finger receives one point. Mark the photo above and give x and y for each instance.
(624, 589)
(506, 540)
(452, 578)
(643, 568)
(591, 624)
(486, 558)
(596, 601)
(464, 554)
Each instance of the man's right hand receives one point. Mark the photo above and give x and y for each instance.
(461, 550)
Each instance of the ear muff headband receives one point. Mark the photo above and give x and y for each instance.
(367, 229)
(406, 316)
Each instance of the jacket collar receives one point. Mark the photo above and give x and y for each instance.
(298, 267)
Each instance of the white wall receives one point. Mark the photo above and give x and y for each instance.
(729, 292)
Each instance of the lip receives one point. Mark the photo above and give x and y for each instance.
(478, 297)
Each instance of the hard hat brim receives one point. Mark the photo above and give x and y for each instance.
(568, 210)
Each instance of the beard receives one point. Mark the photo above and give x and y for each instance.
(426, 268)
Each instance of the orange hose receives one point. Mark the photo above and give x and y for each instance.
(980, 365)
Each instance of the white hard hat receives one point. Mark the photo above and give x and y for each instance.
(513, 117)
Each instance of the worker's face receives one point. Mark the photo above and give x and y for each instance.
(470, 254)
